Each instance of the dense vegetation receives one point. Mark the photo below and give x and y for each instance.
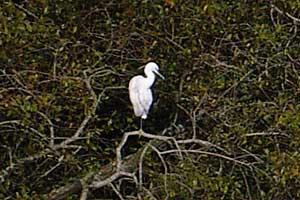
(230, 101)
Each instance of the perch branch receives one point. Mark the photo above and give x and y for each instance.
(129, 165)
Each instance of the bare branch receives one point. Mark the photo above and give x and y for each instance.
(265, 134)
(18, 122)
(5, 172)
(285, 13)
(51, 128)
(203, 143)
(165, 166)
(89, 114)
(75, 187)
(116, 191)
(208, 153)
(84, 192)
(127, 166)
(141, 167)
(26, 11)
(54, 167)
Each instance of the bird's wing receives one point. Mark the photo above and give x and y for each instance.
(135, 94)
(146, 100)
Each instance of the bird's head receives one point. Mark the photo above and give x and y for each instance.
(153, 67)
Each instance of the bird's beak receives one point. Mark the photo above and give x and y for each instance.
(161, 76)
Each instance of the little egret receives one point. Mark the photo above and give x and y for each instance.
(140, 91)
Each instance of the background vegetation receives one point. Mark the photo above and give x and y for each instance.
(232, 79)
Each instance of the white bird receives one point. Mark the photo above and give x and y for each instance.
(140, 90)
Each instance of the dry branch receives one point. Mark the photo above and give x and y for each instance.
(265, 134)
(129, 165)
(97, 179)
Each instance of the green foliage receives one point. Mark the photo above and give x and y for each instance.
(232, 70)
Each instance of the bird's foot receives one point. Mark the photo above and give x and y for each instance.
(141, 132)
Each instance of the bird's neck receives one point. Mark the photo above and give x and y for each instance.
(150, 77)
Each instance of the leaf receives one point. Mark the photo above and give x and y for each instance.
(28, 27)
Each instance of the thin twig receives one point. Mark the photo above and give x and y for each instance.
(88, 115)
(18, 122)
(285, 13)
(52, 136)
(26, 11)
(54, 167)
(264, 134)
(141, 166)
(207, 153)
(203, 143)
(246, 183)
(116, 191)
(165, 166)
(164, 138)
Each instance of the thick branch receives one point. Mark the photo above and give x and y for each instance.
(72, 188)
(96, 179)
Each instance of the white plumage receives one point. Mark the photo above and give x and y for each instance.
(140, 90)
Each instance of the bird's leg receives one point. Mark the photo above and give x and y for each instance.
(141, 124)
(141, 128)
